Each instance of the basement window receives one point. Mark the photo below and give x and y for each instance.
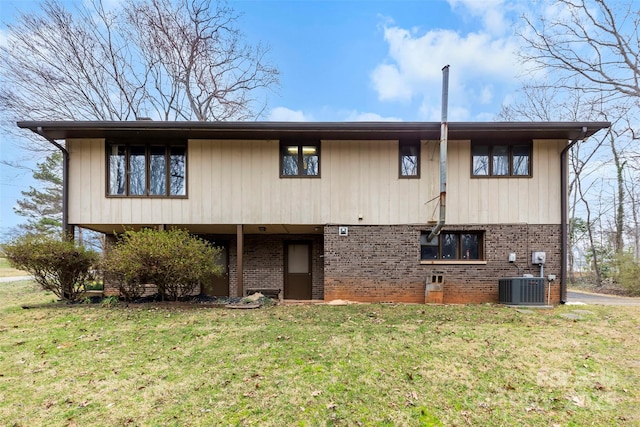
(452, 246)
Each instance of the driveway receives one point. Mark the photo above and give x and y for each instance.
(576, 297)
(14, 279)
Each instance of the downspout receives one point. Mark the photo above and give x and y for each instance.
(444, 132)
(564, 207)
(65, 179)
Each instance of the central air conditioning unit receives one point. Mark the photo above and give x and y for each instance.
(521, 291)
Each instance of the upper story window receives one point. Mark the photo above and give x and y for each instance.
(409, 156)
(452, 246)
(146, 170)
(500, 159)
(299, 159)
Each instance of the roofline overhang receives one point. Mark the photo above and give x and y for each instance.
(316, 130)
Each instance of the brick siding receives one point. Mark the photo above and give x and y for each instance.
(263, 259)
(381, 263)
(264, 262)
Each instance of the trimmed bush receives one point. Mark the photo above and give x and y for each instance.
(173, 260)
(57, 265)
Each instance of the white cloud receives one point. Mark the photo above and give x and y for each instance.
(390, 84)
(283, 114)
(484, 65)
(415, 63)
(355, 116)
(430, 111)
(491, 12)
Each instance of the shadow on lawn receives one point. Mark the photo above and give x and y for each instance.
(193, 301)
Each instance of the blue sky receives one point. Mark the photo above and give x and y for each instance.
(360, 60)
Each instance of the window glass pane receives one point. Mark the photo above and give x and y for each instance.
(428, 248)
(449, 246)
(137, 171)
(298, 258)
(500, 160)
(409, 159)
(520, 160)
(117, 173)
(157, 171)
(177, 171)
(310, 160)
(290, 160)
(470, 246)
(480, 160)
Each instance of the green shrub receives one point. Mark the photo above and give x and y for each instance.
(173, 260)
(628, 273)
(57, 265)
(110, 301)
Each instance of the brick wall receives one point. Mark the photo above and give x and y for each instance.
(381, 263)
(264, 261)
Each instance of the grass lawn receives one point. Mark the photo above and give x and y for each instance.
(7, 271)
(375, 364)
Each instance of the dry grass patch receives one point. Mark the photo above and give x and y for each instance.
(7, 271)
(317, 365)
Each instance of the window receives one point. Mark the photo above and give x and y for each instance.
(409, 152)
(501, 159)
(301, 160)
(451, 245)
(153, 170)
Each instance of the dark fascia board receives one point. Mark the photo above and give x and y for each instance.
(313, 130)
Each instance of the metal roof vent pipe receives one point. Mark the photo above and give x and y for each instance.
(444, 132)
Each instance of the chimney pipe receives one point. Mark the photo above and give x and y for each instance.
(444, 132)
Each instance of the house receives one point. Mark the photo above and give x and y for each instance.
(366, 211)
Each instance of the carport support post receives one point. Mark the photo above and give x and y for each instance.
(240, 250)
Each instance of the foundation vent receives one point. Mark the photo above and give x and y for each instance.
(435, 281)
(434, 288)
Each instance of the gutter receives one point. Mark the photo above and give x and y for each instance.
(65, 178)
(444, 132)
(564, 207)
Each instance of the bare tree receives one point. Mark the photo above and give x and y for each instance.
(197, 61)
(169, 59)
(619, 200)
(587, 55)
(539, 101)
(164, 59)
(633, 190)
(58, 66)
(588, 45)
(591, 233)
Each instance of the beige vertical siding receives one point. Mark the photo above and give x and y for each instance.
(231, 182)
(534, 200)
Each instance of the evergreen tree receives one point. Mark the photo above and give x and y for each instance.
(42, 206)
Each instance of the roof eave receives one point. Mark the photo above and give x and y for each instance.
(322, 130)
